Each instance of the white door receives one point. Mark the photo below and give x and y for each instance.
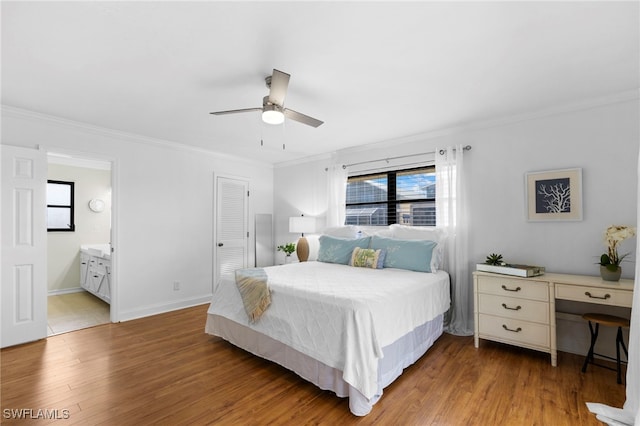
(24, 246)
(231, 226)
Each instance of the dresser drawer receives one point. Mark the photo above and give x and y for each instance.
(520, 288)
(514, 331)
(602, 296)
(511, 307)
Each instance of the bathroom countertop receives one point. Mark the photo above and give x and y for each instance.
(99, 250)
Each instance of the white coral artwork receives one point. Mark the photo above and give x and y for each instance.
(553, 196)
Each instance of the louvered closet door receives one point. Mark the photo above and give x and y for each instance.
(231, 225)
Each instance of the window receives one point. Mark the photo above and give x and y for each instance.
(406, 197)
(60, 206)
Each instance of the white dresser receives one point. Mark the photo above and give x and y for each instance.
(522, 311)
(514, 310)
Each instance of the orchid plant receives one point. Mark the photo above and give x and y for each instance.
(612, 237)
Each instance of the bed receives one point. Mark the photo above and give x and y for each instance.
(350, 330)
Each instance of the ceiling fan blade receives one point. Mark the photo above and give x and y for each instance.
(234, 111)
(301, 118)
(279, 85)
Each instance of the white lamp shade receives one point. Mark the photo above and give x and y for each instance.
(302, 224)
(272, 117)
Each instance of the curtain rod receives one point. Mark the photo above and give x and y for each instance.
(442, 151)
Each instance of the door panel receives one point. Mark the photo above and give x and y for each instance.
(24, 256)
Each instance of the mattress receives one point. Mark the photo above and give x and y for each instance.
(340, 315)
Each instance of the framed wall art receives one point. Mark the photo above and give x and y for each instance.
(554, 195)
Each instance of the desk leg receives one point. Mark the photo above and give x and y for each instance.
(552, 325)
(476, 318)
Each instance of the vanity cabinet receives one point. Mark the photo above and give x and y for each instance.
(95, 275)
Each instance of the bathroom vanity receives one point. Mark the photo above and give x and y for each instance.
(95, 270)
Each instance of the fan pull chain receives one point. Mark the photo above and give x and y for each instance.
(284, 134)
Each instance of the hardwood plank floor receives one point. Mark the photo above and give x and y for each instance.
(165, 370)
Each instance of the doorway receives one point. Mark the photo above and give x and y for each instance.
(79, 278)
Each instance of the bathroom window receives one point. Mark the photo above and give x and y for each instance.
(60, 206)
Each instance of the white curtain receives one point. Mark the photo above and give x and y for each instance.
(336, 194)
(630, 413)
(452, 217)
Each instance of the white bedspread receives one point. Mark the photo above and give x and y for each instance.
(341, 315)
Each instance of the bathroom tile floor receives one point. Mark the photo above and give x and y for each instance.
(74, 311)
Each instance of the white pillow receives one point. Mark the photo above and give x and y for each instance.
(439, 235)
(380, 231)
(314, 245)
(347, 231)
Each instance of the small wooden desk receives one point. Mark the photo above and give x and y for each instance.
(521, 311)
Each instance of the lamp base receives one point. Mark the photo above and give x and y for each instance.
(302, 249)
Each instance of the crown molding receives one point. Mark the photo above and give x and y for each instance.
(21, 113)
(585, 104)
(620, 97)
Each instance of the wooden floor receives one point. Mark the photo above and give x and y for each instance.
(166, 370)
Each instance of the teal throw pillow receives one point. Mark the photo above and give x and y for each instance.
(339, 250)
(414, 255)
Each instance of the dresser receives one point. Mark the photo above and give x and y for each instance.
(521, 311)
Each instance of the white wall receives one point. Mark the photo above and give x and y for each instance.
(602, 140)
(163, 207)
(63, 248)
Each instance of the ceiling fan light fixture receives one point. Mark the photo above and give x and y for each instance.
(271, 115)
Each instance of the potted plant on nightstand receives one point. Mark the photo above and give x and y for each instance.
(287, 249)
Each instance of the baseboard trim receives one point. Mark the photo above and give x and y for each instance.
(163, 308)
(60, 291)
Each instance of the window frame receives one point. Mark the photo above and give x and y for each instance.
(392, 202)
(71, 206)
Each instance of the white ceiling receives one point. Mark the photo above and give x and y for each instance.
(373, 71)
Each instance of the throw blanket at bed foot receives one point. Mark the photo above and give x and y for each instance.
(254, 291)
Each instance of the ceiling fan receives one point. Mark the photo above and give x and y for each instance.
(273, 110)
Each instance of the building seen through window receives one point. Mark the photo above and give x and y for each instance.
(406, 197)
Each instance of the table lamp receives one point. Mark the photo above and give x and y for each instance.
(300, 225)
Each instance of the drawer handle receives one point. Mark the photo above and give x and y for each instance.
(504, 287)
(517, 308)
(605, 297)
(517, 330)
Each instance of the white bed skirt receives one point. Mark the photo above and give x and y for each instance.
(397, 356)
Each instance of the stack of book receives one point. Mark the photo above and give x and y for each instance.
(516, 270)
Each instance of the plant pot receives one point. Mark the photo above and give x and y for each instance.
(608, 275)
(287, 259)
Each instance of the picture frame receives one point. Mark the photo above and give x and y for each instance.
(554, 195)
